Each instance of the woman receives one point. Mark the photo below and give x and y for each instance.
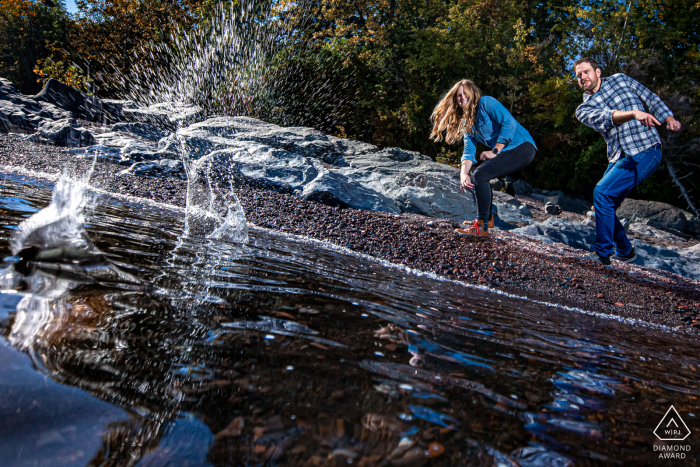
(463, 112)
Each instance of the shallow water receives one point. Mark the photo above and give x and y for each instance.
(280, 352)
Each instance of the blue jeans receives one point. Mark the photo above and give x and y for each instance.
(611, 190)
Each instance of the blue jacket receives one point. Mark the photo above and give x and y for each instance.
(493, 125)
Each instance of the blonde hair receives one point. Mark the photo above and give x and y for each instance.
(449, 117)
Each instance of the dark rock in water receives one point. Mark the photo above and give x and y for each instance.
(79, 104)
(657, 214)
(62, 254)
(64, 132)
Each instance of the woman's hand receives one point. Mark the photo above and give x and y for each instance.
(487, 155)
(465, 183)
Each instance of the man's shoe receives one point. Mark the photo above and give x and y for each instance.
(605, 260)
(492, 224)
(477, 228)
(630, 258)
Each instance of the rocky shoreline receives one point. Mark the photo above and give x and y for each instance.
(516, 264)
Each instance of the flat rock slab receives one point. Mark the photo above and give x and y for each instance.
(332, 170)
(660, 214)
(683, 261)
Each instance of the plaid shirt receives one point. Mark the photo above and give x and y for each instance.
(620, 92)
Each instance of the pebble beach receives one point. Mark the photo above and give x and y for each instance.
(555, 274)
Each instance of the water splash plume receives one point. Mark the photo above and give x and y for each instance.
(212, 211)
(57, 232)
(248, 59)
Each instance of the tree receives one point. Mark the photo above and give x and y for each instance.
(30, 30)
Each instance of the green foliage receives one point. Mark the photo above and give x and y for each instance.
(62, 70)
(30, 30)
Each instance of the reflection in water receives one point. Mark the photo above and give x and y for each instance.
(293, 355)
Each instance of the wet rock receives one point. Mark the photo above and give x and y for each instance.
(683, 261)
(660, 215)
(163, 168)
(332, 170)
(65, 132)
(646, 229)
(143, 130)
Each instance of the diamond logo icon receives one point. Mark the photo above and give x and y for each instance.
(672, 427)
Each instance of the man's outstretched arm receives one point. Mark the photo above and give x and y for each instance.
(657, 108)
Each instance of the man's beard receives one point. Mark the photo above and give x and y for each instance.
(591, 86)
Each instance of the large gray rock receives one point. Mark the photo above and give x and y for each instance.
(658, 214)
(23, 114)
(334, 170)
(65, 132)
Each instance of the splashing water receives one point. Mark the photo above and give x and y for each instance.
(211, 212)
(58, 229)
(245, 60)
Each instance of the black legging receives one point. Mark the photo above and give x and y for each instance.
(503, 164)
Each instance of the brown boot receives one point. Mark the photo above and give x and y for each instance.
(477, 228)
(468, 224)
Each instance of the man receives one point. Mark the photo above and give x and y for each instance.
(614, 106)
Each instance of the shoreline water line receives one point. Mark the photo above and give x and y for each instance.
(341, 249)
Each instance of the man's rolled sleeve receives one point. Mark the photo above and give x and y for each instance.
(469, 153)
(600, 120)
(653, 102)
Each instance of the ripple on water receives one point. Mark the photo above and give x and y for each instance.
(281, 351)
